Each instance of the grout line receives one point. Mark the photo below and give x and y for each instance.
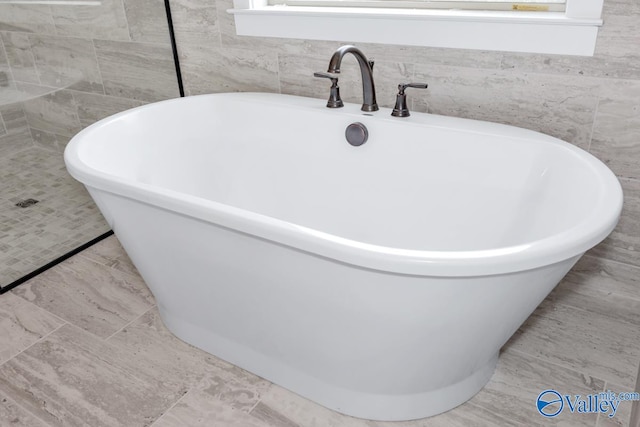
(128, 324)
(34, 343)
(174, 404)
(254, 406)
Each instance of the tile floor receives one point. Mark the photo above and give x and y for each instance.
(82, 345)
(64, 218)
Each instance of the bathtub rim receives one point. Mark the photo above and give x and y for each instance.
(549, 250)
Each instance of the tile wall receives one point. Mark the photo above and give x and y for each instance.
(61, 69)
(73, 65)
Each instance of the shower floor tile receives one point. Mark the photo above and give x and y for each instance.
(64, 218)
(89, 348)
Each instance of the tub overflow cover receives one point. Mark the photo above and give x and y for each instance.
(356, 134)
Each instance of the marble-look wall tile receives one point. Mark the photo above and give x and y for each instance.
(613, 57)
(53, 113)
(556, 105)
(67, 62)
(104, 21)
(139, 71)
(617, 125)
(65, 384)
(432, 55)
(209, 69)
(6, 78)
(100, 301)
(49, 141)
(20, 57)
(13, 118)
(93, 107)
(623, 244)
(581, 340)
(21, 325)
(26, 18)
(195, 22)
(147, 21)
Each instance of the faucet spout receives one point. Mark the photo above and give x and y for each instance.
(366, 70)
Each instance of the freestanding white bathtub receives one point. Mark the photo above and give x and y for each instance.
(379, 281)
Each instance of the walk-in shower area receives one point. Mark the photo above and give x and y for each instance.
(63, 66)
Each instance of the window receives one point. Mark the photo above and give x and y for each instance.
(545, 26)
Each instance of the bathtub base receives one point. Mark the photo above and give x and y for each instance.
(349, 402)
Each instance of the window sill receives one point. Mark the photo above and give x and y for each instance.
(533, 32)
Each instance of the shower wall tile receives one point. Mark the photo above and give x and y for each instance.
(26, 18)
(20, 57)
(93, 107)
(556, 105)
(54, 113)
(581, 340)
(104, 21)
(4, 62)
(210, 69)
(13, 117)
(67, 62)
(147, 21)
(138, 71)
(49, 141)
(623, 244)
(617, 126)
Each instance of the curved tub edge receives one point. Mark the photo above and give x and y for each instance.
(377, 407)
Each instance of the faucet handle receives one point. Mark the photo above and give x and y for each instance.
(401, 109)
(334, 95)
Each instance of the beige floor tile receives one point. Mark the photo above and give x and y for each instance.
(22, 324)
(201, 410)
(581, 340)
(13, 415)
(66, 385)
(519, 379)
(97, 299)
(622, 417)
(109, 252)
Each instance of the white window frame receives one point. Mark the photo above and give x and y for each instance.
(572, 32)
